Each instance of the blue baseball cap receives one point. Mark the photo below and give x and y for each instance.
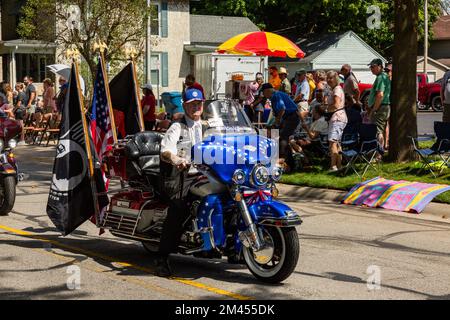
(192, 95)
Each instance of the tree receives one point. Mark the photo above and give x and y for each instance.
(81, 23)
(317, 16)
(404, 117)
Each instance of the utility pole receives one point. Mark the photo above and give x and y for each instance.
(425, 55)
(148, 47)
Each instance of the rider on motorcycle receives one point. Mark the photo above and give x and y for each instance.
(177, 174)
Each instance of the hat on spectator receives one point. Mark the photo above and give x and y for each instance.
(376, 62)
(147, 86)
(283, 71)
(192, 95)
(300, 72)
(266, 86)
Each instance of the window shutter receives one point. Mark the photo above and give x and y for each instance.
(164, 20)
(165, 69)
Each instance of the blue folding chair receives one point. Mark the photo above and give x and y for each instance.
(440, 149)
(366, 151)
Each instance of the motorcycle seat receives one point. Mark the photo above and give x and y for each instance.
(144, 150)
(146, 143)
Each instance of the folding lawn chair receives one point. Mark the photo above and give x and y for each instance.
(366, 150)
(441, 148)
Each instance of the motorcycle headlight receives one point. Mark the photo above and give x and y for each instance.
(2, 145)
(12, 143)
(239, 176)
(277, 172)
(260, 176)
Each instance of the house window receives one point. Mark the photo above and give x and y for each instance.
(33, 65)
(156, 67)
(159, 69)
(155, 17)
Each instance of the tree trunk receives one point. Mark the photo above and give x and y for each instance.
(403, 123)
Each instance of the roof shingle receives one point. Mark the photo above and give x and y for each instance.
(215, 30)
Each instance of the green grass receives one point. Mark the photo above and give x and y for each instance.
(318, 177)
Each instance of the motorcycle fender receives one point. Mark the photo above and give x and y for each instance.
(7, 169)
(274, 213)
(210, 222)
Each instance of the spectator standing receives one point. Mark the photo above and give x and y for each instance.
(321, 84)
(274, 78)
(286, 118)
(253, 96)
(285, 83)
(49, 104)
(61, 96)
(30, 95)
(312, 86)
(445, 96)
(303, 92)
(351, 87)
(148, 104)
(379, 99)
(7, 90)
(19, 108)
(190, 83)
(338, 119)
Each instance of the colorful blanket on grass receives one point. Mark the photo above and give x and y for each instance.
(394, 195)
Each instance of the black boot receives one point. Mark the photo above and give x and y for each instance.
(162, 266)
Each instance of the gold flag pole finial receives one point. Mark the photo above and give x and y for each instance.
(100, 46)
(131, 53)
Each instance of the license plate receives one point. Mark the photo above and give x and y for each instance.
(123, 204)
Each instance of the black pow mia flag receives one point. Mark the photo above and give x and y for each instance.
(123, 99)
(71, 202)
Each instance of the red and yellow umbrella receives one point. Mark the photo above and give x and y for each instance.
(261, 44)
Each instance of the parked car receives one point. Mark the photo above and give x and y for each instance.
(429, 93)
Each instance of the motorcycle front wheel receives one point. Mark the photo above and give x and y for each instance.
(283, 246)
(7, 194)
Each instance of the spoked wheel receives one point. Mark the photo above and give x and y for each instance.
(278, 259)
(7, 194)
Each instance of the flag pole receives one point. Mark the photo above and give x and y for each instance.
(101, 46)
(75, 56)
(132, 54)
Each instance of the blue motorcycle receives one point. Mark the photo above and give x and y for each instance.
(233, 211)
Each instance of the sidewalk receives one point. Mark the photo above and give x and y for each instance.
(433, 212)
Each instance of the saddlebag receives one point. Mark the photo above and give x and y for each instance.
(134, 212)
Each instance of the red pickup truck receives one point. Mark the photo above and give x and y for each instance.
(428, 95)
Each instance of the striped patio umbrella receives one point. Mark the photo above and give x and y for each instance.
(261, 44)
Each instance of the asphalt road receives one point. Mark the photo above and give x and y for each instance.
(425, 121)
(341, 248)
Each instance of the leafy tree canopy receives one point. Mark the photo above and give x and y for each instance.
(319, 16)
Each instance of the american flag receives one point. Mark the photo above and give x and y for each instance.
(101, 120)
(101, 128)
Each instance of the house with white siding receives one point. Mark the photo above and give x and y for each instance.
(330, 51)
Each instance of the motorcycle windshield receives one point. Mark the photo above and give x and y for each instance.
(230, 142)
(226, 117)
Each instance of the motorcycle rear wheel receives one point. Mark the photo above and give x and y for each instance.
(7, 194)
(284, 260)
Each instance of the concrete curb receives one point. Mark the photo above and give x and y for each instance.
(433, 212)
